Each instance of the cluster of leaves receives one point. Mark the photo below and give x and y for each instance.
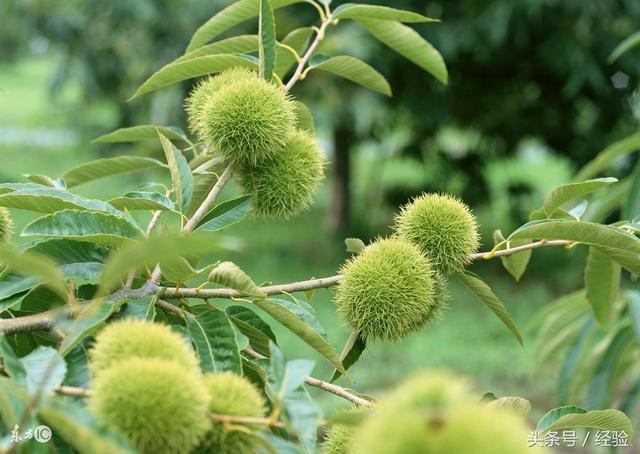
(90, 262)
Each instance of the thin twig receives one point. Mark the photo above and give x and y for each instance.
(247, 420)
(208, 202)
(73, 391)
(326, 386)
(44, 320)
(515, 250)
(307, 55)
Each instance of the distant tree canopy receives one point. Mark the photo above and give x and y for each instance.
(517, 70)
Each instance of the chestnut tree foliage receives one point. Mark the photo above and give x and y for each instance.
(126, 337)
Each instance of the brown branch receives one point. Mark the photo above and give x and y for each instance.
(307, 55)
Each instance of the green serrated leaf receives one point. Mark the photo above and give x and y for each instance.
(181, 175)
(33, 264)
(144, 201)
(242, 44)
(232, 15)
(515, 264)
(563, 194)
(45, 371)
(226, 214)
(42, 199)
(284, 315)
(602, 283)
(408, 43)
(356, 71)
(215, 341)
(356, 11)
(305, 117)
(353, 349)
(621, 246)
(267, 40)
(78, 427)
(101, 228)
(480, 289)
(228, 274)
(515, 404)
(252, 326)
(140, 309)
(107, 167)
(354, 245)
(188, 69)
(575, 417)
(140, 133)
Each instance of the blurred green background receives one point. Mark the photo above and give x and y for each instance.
(531, 98)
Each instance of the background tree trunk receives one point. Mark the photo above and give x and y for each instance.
(337, 219)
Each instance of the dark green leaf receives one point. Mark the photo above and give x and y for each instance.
(10, 362)
(267, 40)
(631, 209)
(351, 352)
(181, 175)
(601, 385)
(88, 319)
(45, 370)
(252, 326)
(226, 214)
(215, 341)
(140, 309)
(80, 429)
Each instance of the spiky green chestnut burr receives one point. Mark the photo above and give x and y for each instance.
(204, 91)
(247, 119)
(387, 291)
(285, 185)
(437, 413)
(443, 227)
(157, 404)
(6, 225)
(231, 395)
(339, 439)
(131, 338)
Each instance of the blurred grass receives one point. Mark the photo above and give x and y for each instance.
(469, 339)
